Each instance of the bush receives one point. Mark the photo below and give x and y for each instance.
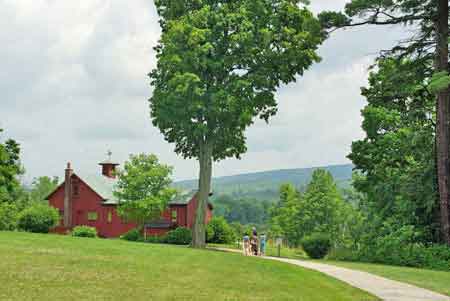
(316, 245)
(132, 235)
(84, 231)
(219, 231)
(155, 239)
(179, 236)
(38, 218)
(9, 214)
(398, 247)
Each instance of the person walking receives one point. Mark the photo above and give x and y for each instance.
(246, 244)
(254, 243)
(262, 245)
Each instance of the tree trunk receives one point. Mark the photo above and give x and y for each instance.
(204, 188)
(442, 120)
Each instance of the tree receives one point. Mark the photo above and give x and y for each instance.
(219, 65)
(397, 157)
(10, 169)
(143, 189)
(42, 187)
(429, 21)
(283, 220)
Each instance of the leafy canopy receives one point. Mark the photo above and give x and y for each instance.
(143, 188)
(219, 65)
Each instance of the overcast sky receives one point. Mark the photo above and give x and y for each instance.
(73, 82)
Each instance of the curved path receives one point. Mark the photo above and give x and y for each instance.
(383, 288)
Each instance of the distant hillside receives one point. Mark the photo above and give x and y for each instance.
(265, 185)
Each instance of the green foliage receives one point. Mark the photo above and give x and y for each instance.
(42, 187)
(398, 247)
(439, 81)
(9, 214)
(320, 208)
(396, 160)
(10, 169)
(179, 236)
(143, 188)
(38, 218)
(132, 235)
(157, 239)
(243, 211)
(84, 231)
(219, 231)
(219, 64)
(317, 245)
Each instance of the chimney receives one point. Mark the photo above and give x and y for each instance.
(109, 167)
(68, 197)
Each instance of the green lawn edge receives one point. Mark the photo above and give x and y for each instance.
(54, 267)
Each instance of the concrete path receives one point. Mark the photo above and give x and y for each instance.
(383, 288)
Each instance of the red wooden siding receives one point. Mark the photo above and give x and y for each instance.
(85, 200)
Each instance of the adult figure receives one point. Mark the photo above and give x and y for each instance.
(262, 245)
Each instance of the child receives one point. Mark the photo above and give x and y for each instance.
(262, 245)
(246, 245)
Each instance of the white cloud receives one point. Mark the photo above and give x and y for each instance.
(74, 84)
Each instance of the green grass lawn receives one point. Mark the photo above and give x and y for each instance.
(437, 281)
(52, 267)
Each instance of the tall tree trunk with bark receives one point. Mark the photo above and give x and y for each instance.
(442, 120)
(204, 188)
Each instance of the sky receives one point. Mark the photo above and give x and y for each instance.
(73, 82)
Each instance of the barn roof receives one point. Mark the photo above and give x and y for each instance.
(102, 185)
(183, 198)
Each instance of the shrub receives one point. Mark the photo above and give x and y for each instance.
(9, 214)
(38, 218)
(219, 231)
(179, 236)
(132, 235)
(157, 239)
(84, 231)
(316, 245)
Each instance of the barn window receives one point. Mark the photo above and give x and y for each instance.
(109, 217)
(174, 216)
(92, 216)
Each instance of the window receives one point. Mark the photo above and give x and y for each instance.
(92, 216)
(109, 217)
(174, 216)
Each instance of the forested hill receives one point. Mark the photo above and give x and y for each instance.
(265, 185)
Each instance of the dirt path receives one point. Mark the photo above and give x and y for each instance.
(383, 288)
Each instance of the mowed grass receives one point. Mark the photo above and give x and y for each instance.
(52, 267)
(438, 281)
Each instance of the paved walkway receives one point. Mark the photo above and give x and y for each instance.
(383, 288)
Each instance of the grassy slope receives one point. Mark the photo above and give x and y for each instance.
(51, 267)
(437, 281)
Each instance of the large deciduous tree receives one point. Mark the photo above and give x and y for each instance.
(429, 27)
(143, 189)
(219, 65)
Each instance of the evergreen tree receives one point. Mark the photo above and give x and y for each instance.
(10, 169)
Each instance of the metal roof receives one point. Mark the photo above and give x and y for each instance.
(183, 197)
(102, 185)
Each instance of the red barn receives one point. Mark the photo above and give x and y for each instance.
(89, 200)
